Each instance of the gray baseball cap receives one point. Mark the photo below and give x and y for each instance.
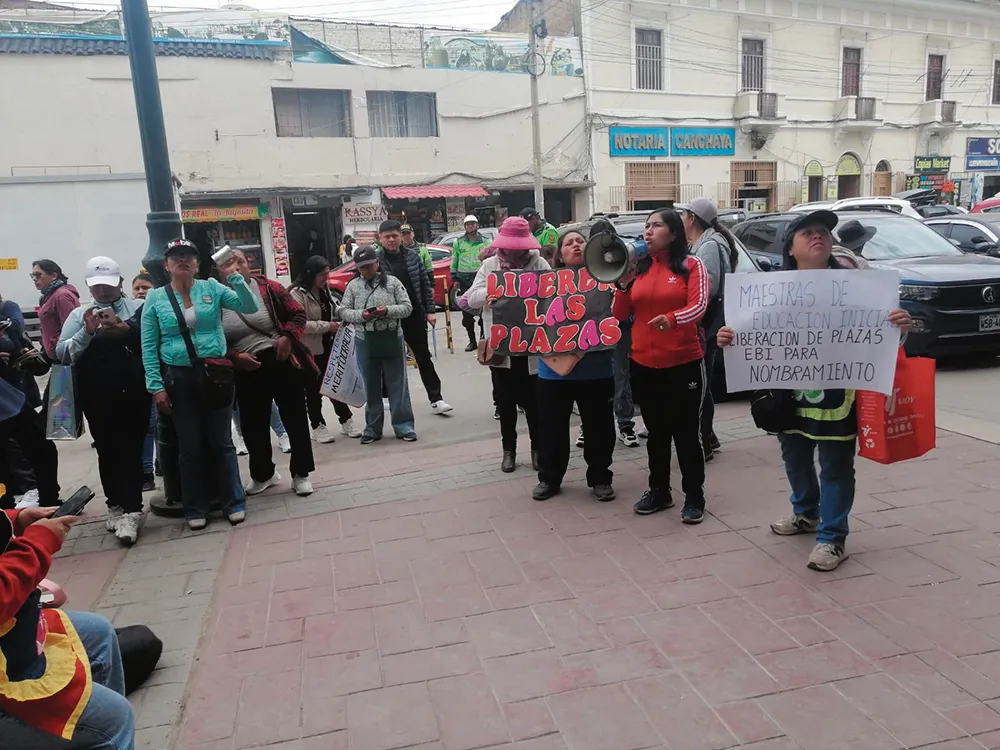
(703, 208)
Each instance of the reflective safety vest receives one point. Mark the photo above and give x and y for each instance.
(826, 415)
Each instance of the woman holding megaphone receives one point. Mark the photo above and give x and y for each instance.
(668, 295)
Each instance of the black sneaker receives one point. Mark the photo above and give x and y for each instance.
(653, 501)
(368, 439)
(148, 482)
(692, 515)
(709, 452)
(471, 347)
(544, 490)
(714, 443)
(605, 493)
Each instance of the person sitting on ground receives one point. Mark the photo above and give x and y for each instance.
(62, 685)
(102, 342)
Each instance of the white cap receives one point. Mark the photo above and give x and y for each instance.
(471, 218)
(103, 271)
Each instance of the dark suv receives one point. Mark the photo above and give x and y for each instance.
(954, 297)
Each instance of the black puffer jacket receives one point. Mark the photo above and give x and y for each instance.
(418, 279)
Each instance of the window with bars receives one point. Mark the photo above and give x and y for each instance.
(312, 113)
(935, 77)
(850, 84)
(996, 82)
(649, 59)
(753, 65)
(652, 180)
(402, 114)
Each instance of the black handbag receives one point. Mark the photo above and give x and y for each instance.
(773, 411)
(140, 650)
(215, 375)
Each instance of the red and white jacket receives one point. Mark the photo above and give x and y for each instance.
(660, 291)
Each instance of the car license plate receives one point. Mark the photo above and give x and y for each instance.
(989, 322)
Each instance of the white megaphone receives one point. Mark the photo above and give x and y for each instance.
(608, 257)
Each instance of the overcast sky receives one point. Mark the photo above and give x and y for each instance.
(477, 14)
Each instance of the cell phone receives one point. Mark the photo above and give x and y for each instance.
(371, 310)
(76, 503)
(106, 315)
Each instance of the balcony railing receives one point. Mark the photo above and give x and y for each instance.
(767, 105)
(948, 109)
(769, 196)
(624, 198)
(864, 108)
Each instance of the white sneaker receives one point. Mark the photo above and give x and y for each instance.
(385, 404)
(284, 444)
(237, 517)
(642, 432)
(628, 438)
(349, 429)
(579, 439)
(255, 488)
(302, 486)
(128, 528)
(114, 516)
(441, 407)
(28, 500)
(197, 524)
(241, 447)
(322, 435)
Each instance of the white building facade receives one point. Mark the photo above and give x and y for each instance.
(767, 103)
(284, 146)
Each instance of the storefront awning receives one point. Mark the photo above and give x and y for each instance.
(434, 191)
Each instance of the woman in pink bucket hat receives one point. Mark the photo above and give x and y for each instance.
(514, 378)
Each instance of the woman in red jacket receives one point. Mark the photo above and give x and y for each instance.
(668, 297)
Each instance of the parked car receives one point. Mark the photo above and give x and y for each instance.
(448, 240)
(987, 206)
(762, 237)
(869, 203)
(440, 257)
(954, 297)
(970, 233)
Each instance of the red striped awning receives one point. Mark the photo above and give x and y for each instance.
(434, 191)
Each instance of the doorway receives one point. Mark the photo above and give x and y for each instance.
(310, 231)
(848, 172)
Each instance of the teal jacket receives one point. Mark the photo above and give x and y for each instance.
(162, 342)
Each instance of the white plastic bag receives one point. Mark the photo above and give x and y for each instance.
(342, 380)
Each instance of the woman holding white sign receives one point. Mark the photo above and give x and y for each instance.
(668, 297)
(824, 419)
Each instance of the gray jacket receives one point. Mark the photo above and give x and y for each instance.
(361, 295)
(713, 250)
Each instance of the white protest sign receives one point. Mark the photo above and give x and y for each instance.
(812, 330)
(343, 380)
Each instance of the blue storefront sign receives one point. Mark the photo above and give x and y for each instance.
(640, 141)
(982, 154)
(702, 141)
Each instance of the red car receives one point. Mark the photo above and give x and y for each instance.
(440, 257)
(987, 206)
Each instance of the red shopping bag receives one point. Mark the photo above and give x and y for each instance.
(899, 426)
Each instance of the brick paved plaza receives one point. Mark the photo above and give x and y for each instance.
(421, 599)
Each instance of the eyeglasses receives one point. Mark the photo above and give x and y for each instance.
(35, 275)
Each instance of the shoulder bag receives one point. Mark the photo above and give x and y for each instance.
(214, 374)
(773, 411)
(381, 344)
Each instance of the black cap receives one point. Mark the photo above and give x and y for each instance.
(365, 256)
(181, 247)
(821, 217)
(529, 213)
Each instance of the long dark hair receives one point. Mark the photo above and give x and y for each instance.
(558, 261)
(50, 266)
(734, 255)
(312, 268)
(677, 252)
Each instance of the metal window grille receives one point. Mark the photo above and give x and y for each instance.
(402, 114)
(753, 65)
(767, 105)
(948, 109)
(652, 181)
(312, 113)
(864, 108)
(649, 59)
(851, 83)
(935, 76)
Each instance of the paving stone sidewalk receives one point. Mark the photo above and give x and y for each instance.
(421, 599)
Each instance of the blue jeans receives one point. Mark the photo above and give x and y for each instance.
(393, 373)
(204, 442)
(624, 408)
(107, 722)
(831, 496)
(276, 425)
(149, 447)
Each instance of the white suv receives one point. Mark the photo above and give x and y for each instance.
(876, 202)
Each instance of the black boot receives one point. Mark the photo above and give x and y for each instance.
(508, 463)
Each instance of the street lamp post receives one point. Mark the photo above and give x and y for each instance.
(163, 222)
